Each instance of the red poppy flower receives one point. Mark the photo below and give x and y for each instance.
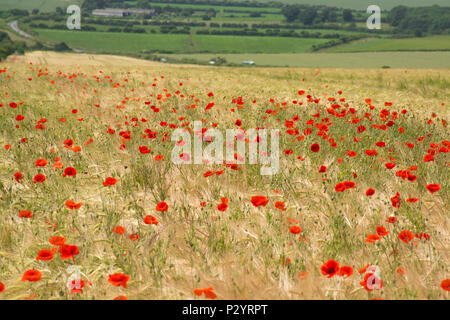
(390, 165)
(144, 150)
(76, 286)
(371, 152)
(18, 176)
(120, 298)
(371, 282)
(330, 268)
(428, 158)
(381, 231)
(134, 236)
(349, 185)
(41, 163)
(322, 169)
(295, 229)
(315, 147)
(39, 178)
(25, 214)
(391, 219)
(119, 230)
(406, 236)
(280, 205)
(363, 269)
(109, 181)
(370, 192)
(445, 284)
(208, 292)
(345, 271)
(72, 205)
(2, 287)
(68, 251)
(433, 187)
(372, 238)
(223, 206)
(395, 200)
(57, 240)
(45, 254)
(342, 186)
(401, 271)
(339, 187)
(259, 201)
(118, 279)
(150, 220)
(32, 275)
(351, 153)
(69, 171)
(162, 206)
(68, 143)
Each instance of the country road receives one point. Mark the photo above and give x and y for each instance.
(15, 26)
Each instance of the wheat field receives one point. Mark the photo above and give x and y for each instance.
(362, 188)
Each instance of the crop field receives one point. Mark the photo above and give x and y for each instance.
(42, 5)
(432, 43)
(93, 204)
(50, 5)
(113, 42)
(432, 60)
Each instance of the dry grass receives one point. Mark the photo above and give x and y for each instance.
(237, 252)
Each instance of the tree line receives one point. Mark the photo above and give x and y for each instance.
(420, 21)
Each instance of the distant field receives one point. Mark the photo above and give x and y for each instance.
(177, 43)
(363, 4)
(50, 5)
(42, 5)
(337, 60)
(433, 43)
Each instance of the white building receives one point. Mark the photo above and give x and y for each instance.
(112, 12)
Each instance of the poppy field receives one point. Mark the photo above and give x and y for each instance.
(92, 206)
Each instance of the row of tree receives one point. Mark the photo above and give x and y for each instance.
(406, 20)
(419, 21)
(308, 15)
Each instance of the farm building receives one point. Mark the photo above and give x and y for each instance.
(111, 12)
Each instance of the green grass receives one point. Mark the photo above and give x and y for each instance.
(337, 60)
(433, 43)
(177, 43)
(42, 5)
